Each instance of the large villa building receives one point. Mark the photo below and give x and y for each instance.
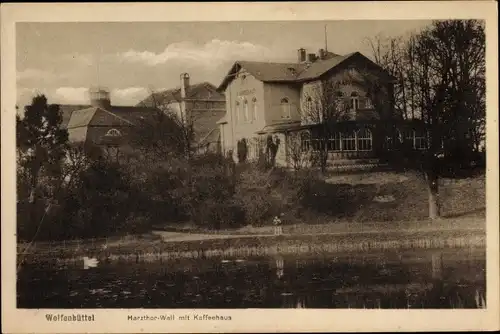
(277, 102)
(285, 105)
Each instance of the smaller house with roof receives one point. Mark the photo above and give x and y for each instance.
(100, 123)
(198, 104)
(269, 102)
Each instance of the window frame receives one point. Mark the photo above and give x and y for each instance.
(113, 133)
(354, 101)
(419, 141)
(237, 111)
(348, 140)
(285, 108)
(367, 141)
(245, 111)
(254, 109)
(336, 140)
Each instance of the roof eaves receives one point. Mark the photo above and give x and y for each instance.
(228, 77)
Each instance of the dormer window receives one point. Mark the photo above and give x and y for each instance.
(354, 103)
(285, 108)
(113, 133)
(292, 71)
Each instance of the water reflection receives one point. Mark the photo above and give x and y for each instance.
(435, 279)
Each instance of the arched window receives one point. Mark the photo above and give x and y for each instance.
(285, 108)
(245, 110)
(349, 141)
(334, 142)
(113, 133)
(364, 140)
(354, 103)
(237, 111)
(254, 111)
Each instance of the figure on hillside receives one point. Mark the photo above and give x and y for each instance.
(277, 225)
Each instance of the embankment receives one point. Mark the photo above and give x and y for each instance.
(247, 246)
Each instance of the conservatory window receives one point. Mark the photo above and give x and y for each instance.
(349, 141)
(334, 142)
(364, 140)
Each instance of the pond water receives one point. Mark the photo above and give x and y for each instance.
(430, 279)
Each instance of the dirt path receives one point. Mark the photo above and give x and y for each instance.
(471, 223)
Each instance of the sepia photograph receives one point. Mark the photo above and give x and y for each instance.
(249, 164)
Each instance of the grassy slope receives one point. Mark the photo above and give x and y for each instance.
(346, 202)
(351, 197)
(352, 212)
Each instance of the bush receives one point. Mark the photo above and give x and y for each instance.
(218, 215)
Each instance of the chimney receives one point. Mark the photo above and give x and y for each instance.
(184, 84)
(301, 55)
(311, 57)
(184, 87)
(321, 54)
(99, 97)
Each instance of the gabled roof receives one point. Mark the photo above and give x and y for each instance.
(129, 113)
(291, 72)
(96, 116)
(264, 71)
(320, 67)
(199, 91)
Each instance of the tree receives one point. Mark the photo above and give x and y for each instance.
(466, 120)
(41, 145)
(163, 134)
(297, 155)
(323, 109)
(440, 75)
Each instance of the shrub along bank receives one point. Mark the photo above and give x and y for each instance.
(212, 193)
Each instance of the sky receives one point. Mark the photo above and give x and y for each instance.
(62, 60)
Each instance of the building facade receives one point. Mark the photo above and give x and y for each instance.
(102, 124)
(198, 104)
(286, 105)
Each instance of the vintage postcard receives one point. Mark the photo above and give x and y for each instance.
(250, 167)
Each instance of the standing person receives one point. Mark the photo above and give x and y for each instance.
(277, 226)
